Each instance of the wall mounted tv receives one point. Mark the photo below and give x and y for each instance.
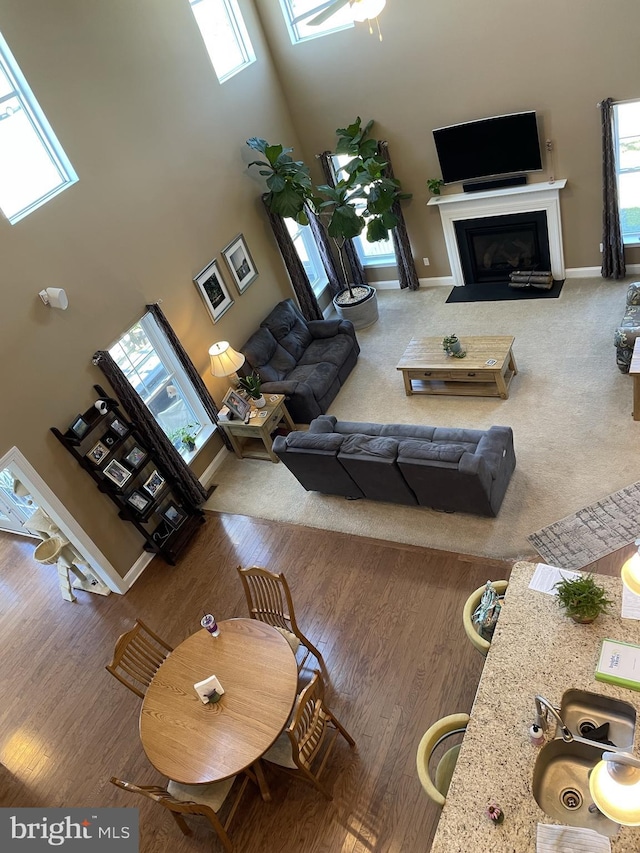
(500, 145)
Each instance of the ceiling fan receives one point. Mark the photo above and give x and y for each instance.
(360, 9)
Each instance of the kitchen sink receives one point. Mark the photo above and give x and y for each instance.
(561, 784)
(583, 712)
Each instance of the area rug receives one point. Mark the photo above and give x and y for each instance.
(592, 532)
(498, 291)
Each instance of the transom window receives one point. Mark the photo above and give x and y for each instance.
(378, 254)
(627, 137)
(305, 245)
(33, 166)
(292, 9)
(225, 36)
(145, 357)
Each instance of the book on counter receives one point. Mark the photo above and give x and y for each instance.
(619, 663)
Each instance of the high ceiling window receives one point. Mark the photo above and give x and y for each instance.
(305, 246)
(627, 130)
(291, 9)
(225, 36)
(33, 166)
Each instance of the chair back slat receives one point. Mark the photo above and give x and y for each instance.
(309, 726)
(137, 657)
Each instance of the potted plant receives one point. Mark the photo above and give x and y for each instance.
(363, 199)
(452, 346)
(184, 435)
(434, 185)
(582, 598)
(252, 384)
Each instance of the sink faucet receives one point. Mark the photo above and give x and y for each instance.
(543, 708)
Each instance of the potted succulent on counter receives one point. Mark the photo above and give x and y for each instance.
(582, 598)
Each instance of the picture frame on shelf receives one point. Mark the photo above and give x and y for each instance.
(79, 427)
(98, 453)
(154, 484)
(135, 458)
(119, 428)
(116, 472)
(138, 501)
(236, 404)
(173, 515)
(213, 290)
(241, 266)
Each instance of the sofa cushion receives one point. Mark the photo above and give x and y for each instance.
(436, 451)
(264, 354)
(334, 350)
(288, 328)
(324, 423)
(370, 445)
(314, 440)
(319, 377)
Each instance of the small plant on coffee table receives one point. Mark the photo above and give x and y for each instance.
(452, 346)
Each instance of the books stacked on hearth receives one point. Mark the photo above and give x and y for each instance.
(540, 279)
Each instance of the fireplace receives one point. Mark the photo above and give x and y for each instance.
(484, 208)
(492, 247)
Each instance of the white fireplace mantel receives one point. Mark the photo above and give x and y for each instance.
(503, 202)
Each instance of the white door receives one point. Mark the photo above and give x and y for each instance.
(14, 510)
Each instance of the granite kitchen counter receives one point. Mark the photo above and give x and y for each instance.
(535, 650)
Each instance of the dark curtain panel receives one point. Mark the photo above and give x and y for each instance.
(326, 255)
(407, 275)
(358, 275)
(185, 482)
(196, 380)
(299, 279)
(612, 246)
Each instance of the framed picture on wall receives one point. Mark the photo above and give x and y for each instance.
(241, 266)
(213, 290)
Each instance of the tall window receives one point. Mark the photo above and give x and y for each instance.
(33, 166)
(225, 36)
(292, 9)
(627, 130)
(305, 246)
(378, 254)
(145, 357)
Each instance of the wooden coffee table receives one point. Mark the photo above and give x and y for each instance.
(427, 369)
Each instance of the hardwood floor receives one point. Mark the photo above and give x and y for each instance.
(386, 617)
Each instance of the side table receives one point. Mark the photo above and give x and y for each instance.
(247, 438)
(634, 370)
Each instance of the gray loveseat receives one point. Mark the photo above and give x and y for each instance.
(465, 470)
(307, 361)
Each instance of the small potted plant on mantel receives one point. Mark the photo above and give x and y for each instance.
(582, 598)
(252, 385)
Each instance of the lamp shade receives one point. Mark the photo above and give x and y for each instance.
(630, 573)
(363, 9)
(614, 784)
(224, 359)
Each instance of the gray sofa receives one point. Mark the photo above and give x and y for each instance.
(625, 335)
(464, 470)
(307, 361)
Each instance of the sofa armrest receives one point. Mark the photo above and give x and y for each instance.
(301, 404)
(330, 328)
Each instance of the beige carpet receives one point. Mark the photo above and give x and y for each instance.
(569, 407)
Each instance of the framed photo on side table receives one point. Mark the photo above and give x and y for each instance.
(236, 404)
(241, 266)
(213, 290)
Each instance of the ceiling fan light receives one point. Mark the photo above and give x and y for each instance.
(366, 9)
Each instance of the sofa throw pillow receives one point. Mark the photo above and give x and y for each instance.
(323, 423)
(315, 440)
(436, 451)
(371, 445)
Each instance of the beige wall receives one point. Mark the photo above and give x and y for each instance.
(445, 62)
(159, 149)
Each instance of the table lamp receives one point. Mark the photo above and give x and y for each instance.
(225, 361)
(630, 572)
(614, 784)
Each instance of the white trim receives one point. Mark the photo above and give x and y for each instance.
(209, 472)
(502, 202)
(138, 568)
(46, 498)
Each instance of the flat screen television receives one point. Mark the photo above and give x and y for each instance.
(500, 145)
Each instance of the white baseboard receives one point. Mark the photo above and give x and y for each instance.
(208, 474)
(436, 281)
(137, 568)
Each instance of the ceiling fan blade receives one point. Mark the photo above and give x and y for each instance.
(320, 8)
(331, 10)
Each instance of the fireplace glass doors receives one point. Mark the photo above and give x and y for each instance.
(493, 247)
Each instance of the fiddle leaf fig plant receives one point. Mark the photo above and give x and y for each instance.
(288, 180)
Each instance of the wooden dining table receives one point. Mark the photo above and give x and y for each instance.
(195, 744)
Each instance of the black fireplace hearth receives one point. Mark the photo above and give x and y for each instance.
(493, 247)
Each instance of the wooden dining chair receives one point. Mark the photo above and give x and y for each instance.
(306, 744)
(204, 800)
(469, 609)
(269, 600)
(437, 787)
(137, 657)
